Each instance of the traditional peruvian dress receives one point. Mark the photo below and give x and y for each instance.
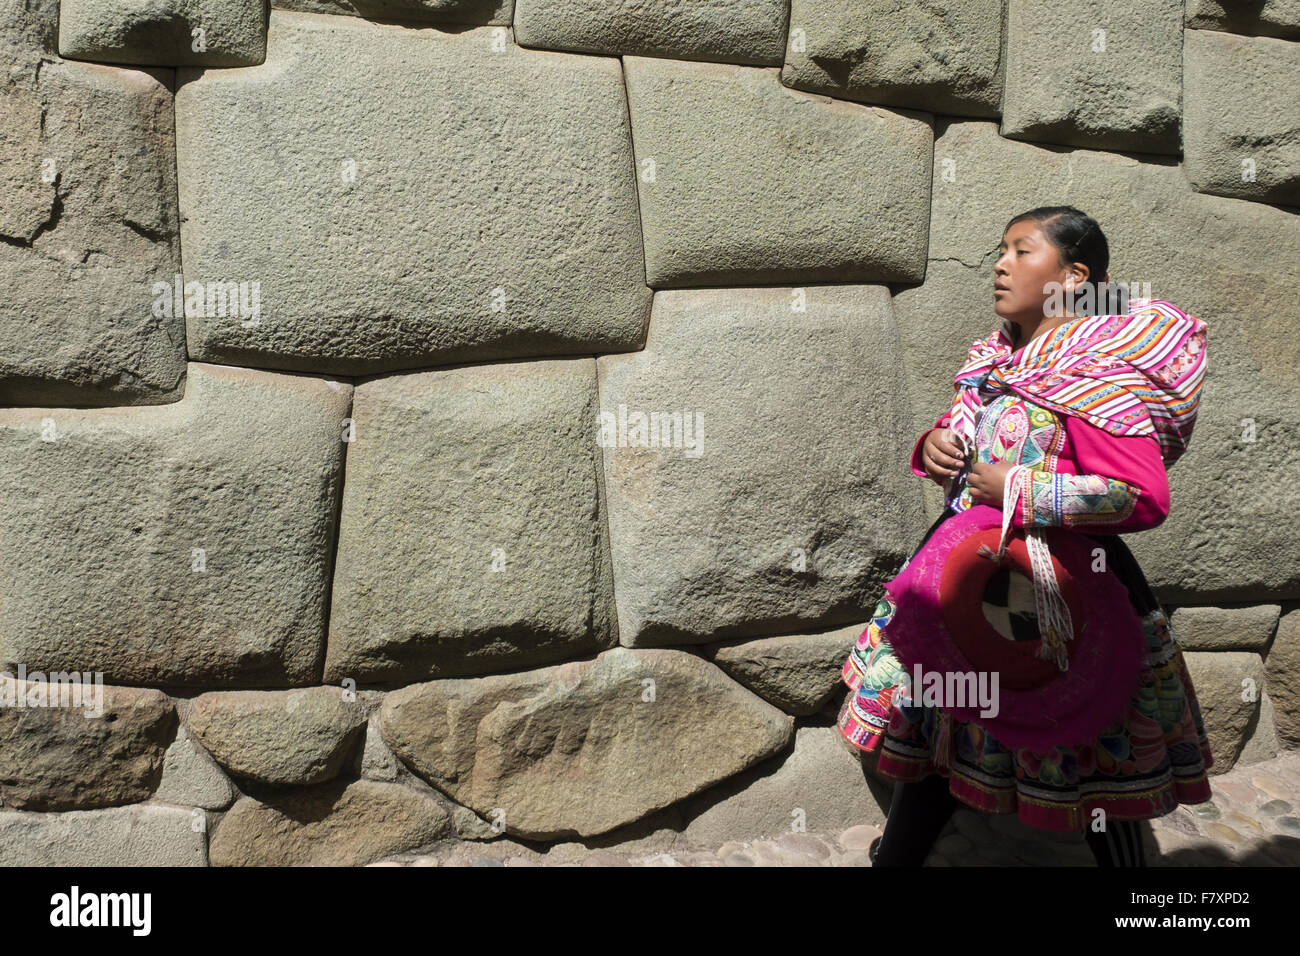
(1099, 484)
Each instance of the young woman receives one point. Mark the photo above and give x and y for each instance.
(1095, 408)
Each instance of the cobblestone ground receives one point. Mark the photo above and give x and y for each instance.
(1253, 820)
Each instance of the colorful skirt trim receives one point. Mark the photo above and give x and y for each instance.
(1141, 767)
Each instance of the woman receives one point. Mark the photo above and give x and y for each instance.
(1094, 409)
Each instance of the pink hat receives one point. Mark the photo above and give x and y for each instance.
(1056, 692)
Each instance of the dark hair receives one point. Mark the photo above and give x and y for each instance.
(1077, 238)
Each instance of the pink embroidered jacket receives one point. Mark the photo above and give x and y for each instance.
(1083, 476)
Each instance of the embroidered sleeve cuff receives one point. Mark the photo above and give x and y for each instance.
(1060, 500)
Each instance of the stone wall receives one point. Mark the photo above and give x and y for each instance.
(323, 330)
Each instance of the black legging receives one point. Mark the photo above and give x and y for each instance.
(919, 811)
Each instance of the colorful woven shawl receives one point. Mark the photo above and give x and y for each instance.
(1133, 374)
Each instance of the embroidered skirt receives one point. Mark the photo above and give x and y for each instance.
(1140, 768)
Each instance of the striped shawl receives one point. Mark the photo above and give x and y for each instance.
(1134, 374)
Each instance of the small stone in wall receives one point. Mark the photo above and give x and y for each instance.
(54, 756)
(335, 824)
(166, 33)
(299, 736)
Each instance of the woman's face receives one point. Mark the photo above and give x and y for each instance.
(1027, 263)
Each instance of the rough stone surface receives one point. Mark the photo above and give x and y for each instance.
(335, 824)
(1227, 261)
(139, 835)
(1240, 134)
(723, 31)
(1282, 667)
(799, 673)
(162, 32)
(89, 751)
(418, 11)
(472, 532)
(817, 786)
(1254, 799)
(501, 223)
(88, 224)
(470, 826)
(191, 777)
(1264, 18)
(1228, 704)
(774, 524)
(1247, 628)
(733, 170)
(1072, 74)
(1262, 742)
(28, 28)
(300, 736)
(99, 569)
(584, 747)
(377, 761)
(943, 56)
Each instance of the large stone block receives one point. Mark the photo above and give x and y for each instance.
(164, 32)
(142, 834)
(472, 532)
(335, 824)
(721, 31)
(1240, 133)
(1282, 669)
(191, 777)
(786, 501)
(1228, 686)
(1248, 628)
(1261, 18)
(945, 57)
(28, 28)
(800, 673)
(81, 745)
(733, 173)
(1105, 75)
(448, 197)
(818, 785)
(88, 224)
(417, 11)
(584, 747)
(174, 544)
(1229, 262)
(299, 737)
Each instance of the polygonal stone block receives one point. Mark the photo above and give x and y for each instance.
(448, 197)
(472, 532)
(734, 171)
(182, 544)
(164, 32)
(943, 56)
(754, 464)
(1105, 75)
(1240, 133)
(88, 228)
(720, 31)
(1261, 18)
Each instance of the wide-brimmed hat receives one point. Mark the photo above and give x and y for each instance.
(954, 589)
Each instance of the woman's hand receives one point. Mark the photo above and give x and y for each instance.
(987, 482)
(940, 455)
